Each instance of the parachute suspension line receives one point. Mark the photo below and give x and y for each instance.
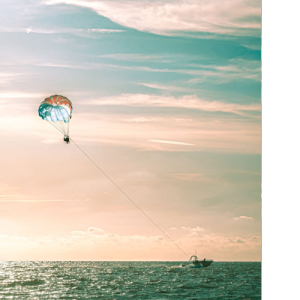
(61, 126)
(68, 126)
(51, 123)
(58, 124)
(55, 125)
(128, 197)
(65, 127)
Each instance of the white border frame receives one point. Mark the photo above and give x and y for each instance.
(280, 149)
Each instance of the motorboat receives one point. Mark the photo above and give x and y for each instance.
(196, 263)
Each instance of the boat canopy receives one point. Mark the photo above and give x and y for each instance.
(193, 258)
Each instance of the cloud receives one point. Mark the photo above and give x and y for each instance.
(243, 217)
(140, 175)
(196, 229)
(32, 200)
(95, 230)
(6, 78)
(97, 244)
(10, 195)
(188, 102)
(97, 30)
(101, 237)
(233, 17)
(219, 74)
(220, 129)
(77, 31)
(195, 177)
(158, 86)
(234, 69)
(171, 142)
(20, 95)
(139, 57)
(59, 65)
(49, 141)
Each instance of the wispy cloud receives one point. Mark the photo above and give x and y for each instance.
(243, 217)
(20, 95)
(158, 86)
(6, 78)
(235, 68)
(142, 57)
(62, 65)
(35, 201)
(235, 17)
(171, 142)
(97, 30)
(188, 102)
(15, 198)
(50, 141)
(198, 177)
(60, 30)
(11, 195)
(233, 71)
(228, 135)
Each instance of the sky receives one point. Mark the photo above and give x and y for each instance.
(167, 101)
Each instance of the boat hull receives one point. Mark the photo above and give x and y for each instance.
(196, 266)
(202, 264)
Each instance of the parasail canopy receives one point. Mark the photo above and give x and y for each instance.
(57, 110)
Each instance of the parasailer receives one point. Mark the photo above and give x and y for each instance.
(67, 139)
(57, 110)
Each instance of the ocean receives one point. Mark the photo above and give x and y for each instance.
(128, 280)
